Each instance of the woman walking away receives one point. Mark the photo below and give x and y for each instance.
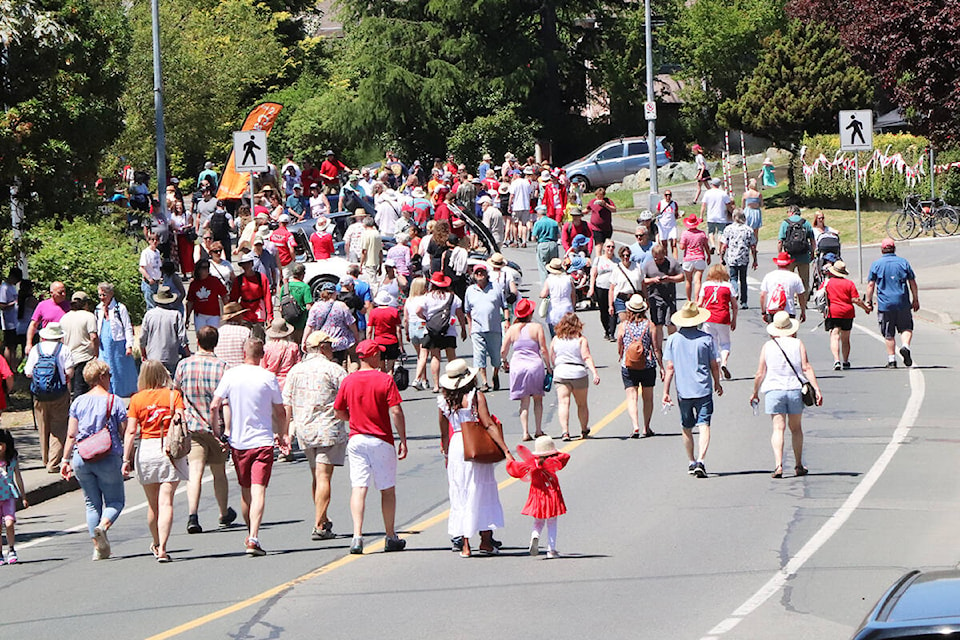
(781, 375)
(638, 363)
(718, 298)
(527, 363)
(474, 498)
(11, 490)
(545, 501)
(695, 247)
(417, 331)
(841, 294)
(441, 303)
(152, 410)
(572, 364)
(752, 204)
(100, 477)
(558, 287)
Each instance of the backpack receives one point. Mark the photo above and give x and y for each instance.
(796, 240)
(290, 307)
(634, 356)
(219, 227)
(777, 300)
(439, 322)
(46, 383)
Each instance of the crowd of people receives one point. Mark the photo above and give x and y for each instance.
(278, 365)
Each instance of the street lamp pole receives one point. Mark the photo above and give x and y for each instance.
(651, 122)
(158, 108)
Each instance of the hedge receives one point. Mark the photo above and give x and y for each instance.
(889, 185)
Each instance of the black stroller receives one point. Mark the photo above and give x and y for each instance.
(827, 252)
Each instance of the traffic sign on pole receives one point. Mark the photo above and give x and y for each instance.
(856, 130)
(650, 110)
(250, 150)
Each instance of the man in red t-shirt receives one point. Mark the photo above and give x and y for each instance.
(330, 171)
(252, 290)
(369, 401)
(309, 175)
(842, 294)
(285, 244)
(204, 297)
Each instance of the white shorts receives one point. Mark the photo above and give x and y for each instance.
(372, 460)
(200, 320)
(720, 334)
(695, 265)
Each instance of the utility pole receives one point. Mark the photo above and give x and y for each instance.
(651, 121)
(158, 108)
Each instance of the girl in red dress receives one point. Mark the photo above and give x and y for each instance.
(545, 501)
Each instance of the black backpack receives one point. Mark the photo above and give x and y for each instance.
(438, 324)
(795, 240)
(219, 226)
(290, 307)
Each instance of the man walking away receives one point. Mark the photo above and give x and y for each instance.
(691, 357)
(892, 279)
(80, 336)
(50, 367)
(250, 398)
(370, 402)
(197, 378)
(308, 396)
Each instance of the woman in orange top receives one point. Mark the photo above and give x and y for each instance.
(149, 414)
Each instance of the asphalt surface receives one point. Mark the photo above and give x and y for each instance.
(648, 551)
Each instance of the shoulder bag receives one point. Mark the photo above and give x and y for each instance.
(98, 445)
(177, 435)
(806, 389)
(478, 446)
(626, 296)
(438, 324)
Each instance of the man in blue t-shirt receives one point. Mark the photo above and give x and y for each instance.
(895, 284)
(691, 357)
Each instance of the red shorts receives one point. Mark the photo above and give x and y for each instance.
(253, 465)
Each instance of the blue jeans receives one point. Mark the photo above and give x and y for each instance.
(695, 411)
(148, 290)
(738, 278)
(102, 484)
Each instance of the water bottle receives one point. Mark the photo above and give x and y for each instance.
(666, 407)
(755, 405)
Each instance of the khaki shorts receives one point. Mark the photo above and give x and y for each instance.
(205, 447)
(333, 455)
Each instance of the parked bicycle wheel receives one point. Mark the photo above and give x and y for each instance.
(948, 220)
(902, 226)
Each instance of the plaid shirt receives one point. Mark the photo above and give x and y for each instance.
(197, 378)
(310, 390)
(230, 345)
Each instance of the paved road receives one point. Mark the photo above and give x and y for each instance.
(649, 552)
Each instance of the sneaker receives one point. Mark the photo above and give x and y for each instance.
(744, 306)
(700, 471)
(907, 358)
(891, 365)
(692, 469)
(193, 524)
(534, 544)
(101, 542)
(837, 366)
(357, 547)
(253, 548)
(552, 554)
(846, 365)
(12, 557)
(456, 544)
(227, 520)
(395, 544)
(323, 533)
(96, 555)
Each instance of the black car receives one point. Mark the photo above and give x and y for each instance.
(922, 605)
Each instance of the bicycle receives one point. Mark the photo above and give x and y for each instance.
(923, 216)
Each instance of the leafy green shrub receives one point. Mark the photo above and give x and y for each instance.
(82, 254)
(889, 185)
(501, 131)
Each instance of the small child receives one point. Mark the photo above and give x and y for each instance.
(11, 488)
(545, 501)
(717, 297)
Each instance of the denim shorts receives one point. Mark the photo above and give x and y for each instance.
(694, 411)
(783, 401)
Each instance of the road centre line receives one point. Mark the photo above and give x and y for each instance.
(419, 527)
(907, 420)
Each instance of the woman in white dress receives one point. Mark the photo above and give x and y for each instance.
(558, 287)
(474, 498)
(667, 214)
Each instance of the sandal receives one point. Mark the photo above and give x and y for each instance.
(155, 550)
(635, 435)
(777, 473)
(648, 434)
(585, 434)
(801, 470)
(527, 438)
(565, 437)
(538, 434)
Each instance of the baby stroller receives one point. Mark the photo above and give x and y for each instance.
(579, 270)
(827, 252)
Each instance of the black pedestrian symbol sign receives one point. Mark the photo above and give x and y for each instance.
(856, 130)
(250, 151)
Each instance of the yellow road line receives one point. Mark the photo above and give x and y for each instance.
(336, 564)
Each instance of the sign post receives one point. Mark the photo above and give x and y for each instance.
(856, 134)
(250, 154)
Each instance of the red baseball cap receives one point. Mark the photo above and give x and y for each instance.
(368, 348)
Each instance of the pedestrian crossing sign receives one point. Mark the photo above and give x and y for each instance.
(856, 130)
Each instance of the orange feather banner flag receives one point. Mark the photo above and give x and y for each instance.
(234, 185)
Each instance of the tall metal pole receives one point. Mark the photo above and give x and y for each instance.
(856, 191)
(158, 109)
(652, 123)
(933, 193)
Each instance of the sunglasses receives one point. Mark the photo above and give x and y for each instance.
(641, 235)
(668, 194)
(216, 251)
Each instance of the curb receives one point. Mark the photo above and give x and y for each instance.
(52, 490)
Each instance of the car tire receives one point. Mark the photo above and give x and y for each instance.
(317, 282)
(583, 180)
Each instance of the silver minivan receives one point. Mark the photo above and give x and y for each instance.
(614, 160)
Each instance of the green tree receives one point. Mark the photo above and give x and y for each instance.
(803, 78)
(61, 73)
(218, 57)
